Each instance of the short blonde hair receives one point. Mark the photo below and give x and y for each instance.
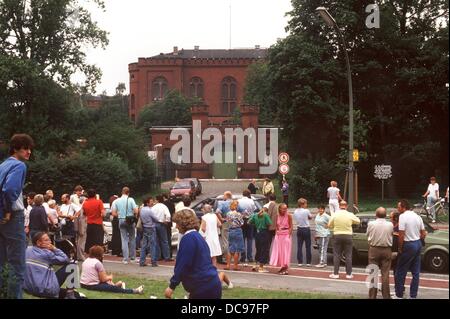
(301, 202)
(334, 183)
(227, 195)
(38, 199)
(186, 220)
(234, 205)
(51, 203)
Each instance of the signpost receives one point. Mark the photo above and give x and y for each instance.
(383, 172)
(283, 158)
(283, 169)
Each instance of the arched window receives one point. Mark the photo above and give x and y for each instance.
(229, 95)
(159, 88)
(196, 88)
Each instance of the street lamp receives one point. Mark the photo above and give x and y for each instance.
(155, 148)
(330, 21)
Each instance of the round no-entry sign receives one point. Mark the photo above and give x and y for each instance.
(283, 158)
(283, 169)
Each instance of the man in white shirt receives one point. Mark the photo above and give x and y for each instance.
(67, 213)
(380, 236)
(334, 197)
(411, 233)
(432, 196)
(162, 215)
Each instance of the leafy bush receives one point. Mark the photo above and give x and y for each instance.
(310, 178)
(106, 172)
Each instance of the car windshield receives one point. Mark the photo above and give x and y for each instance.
(181, 185)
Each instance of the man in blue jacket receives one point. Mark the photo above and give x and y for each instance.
(41, 280)
(12, 230)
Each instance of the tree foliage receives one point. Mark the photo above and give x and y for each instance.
(400, 72)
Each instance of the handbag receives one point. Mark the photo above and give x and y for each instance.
(130, 220)
(139, 225)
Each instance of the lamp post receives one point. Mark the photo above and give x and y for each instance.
(155, 148)
(330, 21)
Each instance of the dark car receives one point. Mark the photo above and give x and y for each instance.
(258, 199)
(198, 185)
(183, 187)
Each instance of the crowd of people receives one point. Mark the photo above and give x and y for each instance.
(223, 234)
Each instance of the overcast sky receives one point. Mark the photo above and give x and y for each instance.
(142, 28)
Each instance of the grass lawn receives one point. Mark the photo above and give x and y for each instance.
(157, 287)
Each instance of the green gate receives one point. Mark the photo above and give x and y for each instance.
(224, 170)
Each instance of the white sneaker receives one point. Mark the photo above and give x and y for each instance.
(433, 221)
(125, 262)
(139, 290)
(333, 276)
(300, 265)
(230, 286)
(308, 265)
(320, 265)
(349, 276)
(394, 296)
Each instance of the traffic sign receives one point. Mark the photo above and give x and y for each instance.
(283, 158)
(283, 169)
(383, 171)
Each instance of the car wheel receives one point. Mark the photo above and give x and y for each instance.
(436, 261)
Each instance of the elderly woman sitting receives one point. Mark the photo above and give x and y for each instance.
(193, 267)
(41, 280)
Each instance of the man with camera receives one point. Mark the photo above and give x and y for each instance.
(126, 210)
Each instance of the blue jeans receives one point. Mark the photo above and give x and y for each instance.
(408, 260)
(431, 200)
(107, 287)
(128, 235)
(13, 244)
(147, 245)
(161, 242)
(304, 236)
(248, 231)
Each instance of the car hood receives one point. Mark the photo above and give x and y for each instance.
(438, 237)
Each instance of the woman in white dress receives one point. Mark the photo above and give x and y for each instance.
(208, 228)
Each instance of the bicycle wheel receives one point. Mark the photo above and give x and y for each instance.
(441, 215)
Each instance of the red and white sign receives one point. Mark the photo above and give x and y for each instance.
(283, 169)
(283, 158)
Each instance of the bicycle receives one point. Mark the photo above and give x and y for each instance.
(440, 210)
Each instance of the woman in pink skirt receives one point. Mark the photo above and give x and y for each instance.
(281, 249)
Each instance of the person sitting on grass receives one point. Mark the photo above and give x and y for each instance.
(193, 266)
(94, 276)
(41, 280)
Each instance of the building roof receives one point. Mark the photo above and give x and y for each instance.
(214, 54)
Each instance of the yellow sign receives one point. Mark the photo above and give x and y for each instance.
(355, 156)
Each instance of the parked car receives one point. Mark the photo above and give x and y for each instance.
(198, 185)
(183, 187)
(107, 228)
(434, 253)
(258, 199)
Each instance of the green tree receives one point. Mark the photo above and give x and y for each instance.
(173, 110)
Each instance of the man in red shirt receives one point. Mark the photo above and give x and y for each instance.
(94, 211)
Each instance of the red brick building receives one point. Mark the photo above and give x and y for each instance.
(218, 78)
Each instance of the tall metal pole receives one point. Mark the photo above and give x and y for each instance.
(351, 166)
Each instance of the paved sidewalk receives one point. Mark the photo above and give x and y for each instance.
(311, 280)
